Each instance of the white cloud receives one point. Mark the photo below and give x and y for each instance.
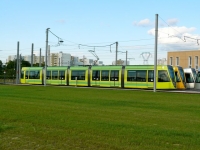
(142, 23)
(172, 22)
(177, 38)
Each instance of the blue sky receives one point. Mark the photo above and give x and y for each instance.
(99, 23)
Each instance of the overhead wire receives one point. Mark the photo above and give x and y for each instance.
(180, 33)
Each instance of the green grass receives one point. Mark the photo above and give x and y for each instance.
(46, 118)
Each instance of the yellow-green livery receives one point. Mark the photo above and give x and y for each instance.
(133, 76)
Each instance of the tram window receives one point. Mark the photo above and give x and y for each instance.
(104, 75)
(189, 78)
(198, 78)
(96, 75)
(54, 75)
(194, 73)
(181, 73)
(114, 75)
(26, 75)
(22, 74)
(131, 75)
(74, 74)
(177, 77)
(163, 76)
(48, 76)
(34, 75)
(150, 76)
(141, 75)
(37, 74)
(62, 75)
(79, 74)
(171, 73)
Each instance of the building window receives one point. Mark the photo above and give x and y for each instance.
(177, 61)
(189, 61)
(196, 62)
(170, 61)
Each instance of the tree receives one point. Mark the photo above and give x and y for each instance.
(25, 63)
(11, 67)
(1, 67)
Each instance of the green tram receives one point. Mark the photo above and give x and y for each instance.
(133, 76)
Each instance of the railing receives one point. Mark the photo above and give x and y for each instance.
(4, 79)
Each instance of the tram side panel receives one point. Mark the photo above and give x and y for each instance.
(31, 75)
(197, 81)
(143, 77)
(56, 75)
(106, 76)
(78, 76)
(180, 77)
(165, 77)
(190, 75)
(136, 77)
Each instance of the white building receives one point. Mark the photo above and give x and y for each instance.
(11, 58)
(36, 59)
(28, 58)
(60, 59)
(74, 61)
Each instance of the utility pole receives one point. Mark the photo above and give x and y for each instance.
(116, 53)
(155, 52)
(126, 57)
(40, 59)
(146, 56)
(32, 55)
(49, 57)
(45, 72)
(17, 69)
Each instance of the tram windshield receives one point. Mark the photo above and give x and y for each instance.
(194, 73)
(181, 73)
(171, 73)
(198, 78)
(189, 78)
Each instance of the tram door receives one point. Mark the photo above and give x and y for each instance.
(150, 78)
(96, 77)
(23, 76)
(26, 76)
(114, 78)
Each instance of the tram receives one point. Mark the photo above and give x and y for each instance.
(180, 77)
(133, 76)
(197, 81)
(190, 76)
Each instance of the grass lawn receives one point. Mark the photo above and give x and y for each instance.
(46, 118)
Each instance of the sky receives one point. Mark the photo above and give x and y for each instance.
(97, 25)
